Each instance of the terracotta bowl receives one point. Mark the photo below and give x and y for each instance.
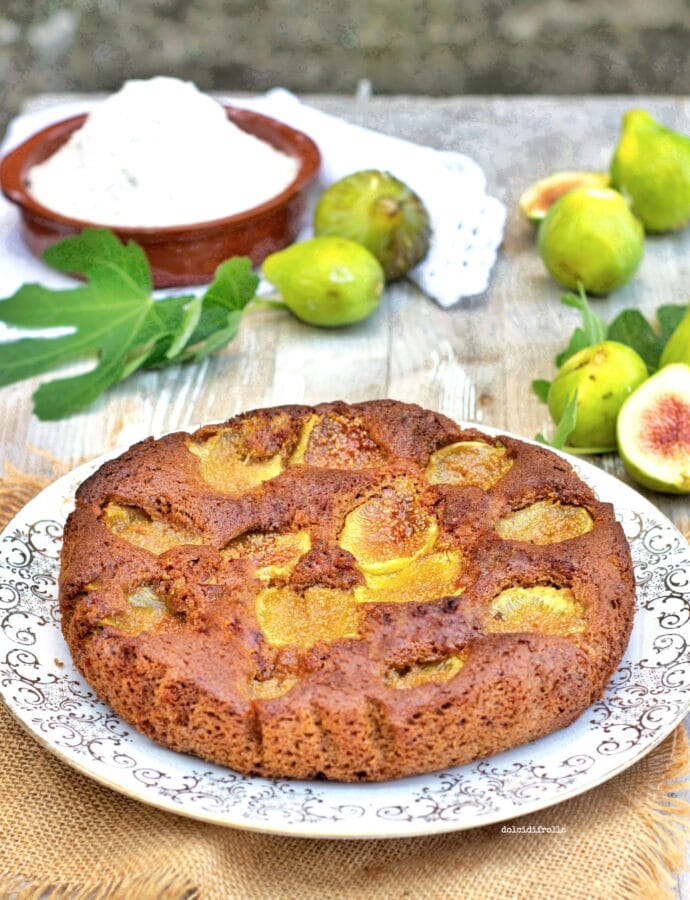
(180, 254)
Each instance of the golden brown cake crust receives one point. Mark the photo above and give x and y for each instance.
(423, 535)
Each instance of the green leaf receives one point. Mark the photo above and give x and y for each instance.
(191, 313)
(97, 251)
(630, 327)
(166, 330)
(578, 341)
(564, 428)
(234, 284)
(541, 388)
(114, 320)
(106, 314)
(233, 287)
(594, 328)
(669, 318)
(64, 396)
(566, 425)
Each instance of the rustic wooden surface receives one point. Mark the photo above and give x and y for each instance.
(473, 362)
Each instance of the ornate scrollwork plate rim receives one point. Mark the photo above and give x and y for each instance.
(647, 697)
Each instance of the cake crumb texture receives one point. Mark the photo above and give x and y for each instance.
(353, 592)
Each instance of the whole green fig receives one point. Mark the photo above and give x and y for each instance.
(326, 281)
(590, 236)
(603, 376)
(651, 165)
(380, 212)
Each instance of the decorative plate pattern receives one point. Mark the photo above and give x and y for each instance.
(648, 695)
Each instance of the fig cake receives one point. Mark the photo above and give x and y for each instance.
(354, 592)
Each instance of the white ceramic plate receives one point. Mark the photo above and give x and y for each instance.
(647, 697)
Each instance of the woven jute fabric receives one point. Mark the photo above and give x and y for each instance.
(63, 835)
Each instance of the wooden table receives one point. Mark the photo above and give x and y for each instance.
(473, 362)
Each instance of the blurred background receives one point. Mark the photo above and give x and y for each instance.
(436, 47)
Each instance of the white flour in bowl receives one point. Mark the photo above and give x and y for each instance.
(159, 153)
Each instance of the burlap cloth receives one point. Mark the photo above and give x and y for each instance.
(62, 834)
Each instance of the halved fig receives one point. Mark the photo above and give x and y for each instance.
(144, 612)
(133, 524)
(225, 466)
(388, 531)
(426, 672)
(653, 431)
(545, 522)
(536, 201)
(543, 609)
(271, 555)
(474, 463)
(290, 618)
(423, 580)
(337, 442)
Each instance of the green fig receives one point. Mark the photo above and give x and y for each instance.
(651, 165)
(326, 281)
(590, 236)
(603, 376)
(677, 349)
(539, 197)
(654, 431)
(380, 212)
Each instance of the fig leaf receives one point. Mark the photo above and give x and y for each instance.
(593, 329)
(565, 426)
(114, 321)
(669, 318)
(630, 327)
(540, 386)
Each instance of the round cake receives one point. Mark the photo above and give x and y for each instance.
(354, 592)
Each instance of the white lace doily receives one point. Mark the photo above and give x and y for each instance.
(467, 223)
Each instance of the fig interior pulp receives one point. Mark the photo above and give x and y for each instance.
(539, 197)
(654, 431)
